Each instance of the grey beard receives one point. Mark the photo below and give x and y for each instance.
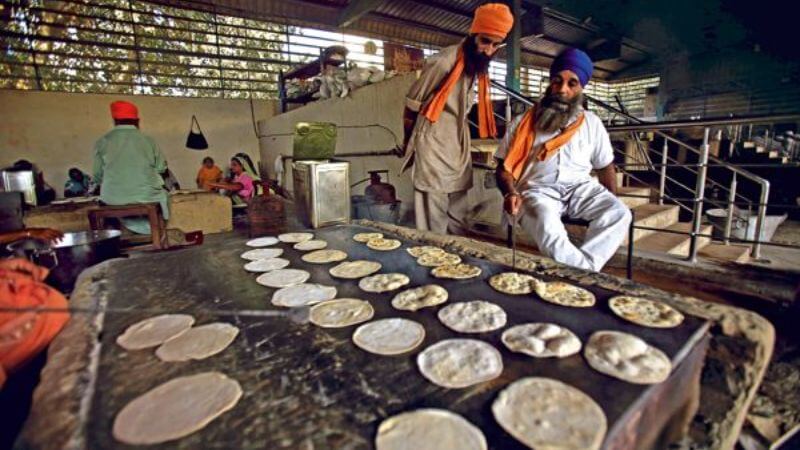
(552, 115)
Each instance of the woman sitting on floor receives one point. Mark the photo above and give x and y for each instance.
(242, 186)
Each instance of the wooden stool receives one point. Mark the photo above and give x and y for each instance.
(98, 216)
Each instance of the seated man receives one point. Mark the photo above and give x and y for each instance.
(128, 166)
(544, 165)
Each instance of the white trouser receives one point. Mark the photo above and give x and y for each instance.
(609, 218)
(441, 213)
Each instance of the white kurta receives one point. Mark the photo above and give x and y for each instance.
(562, 186)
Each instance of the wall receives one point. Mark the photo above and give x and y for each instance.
(380, 104)
(57, 131)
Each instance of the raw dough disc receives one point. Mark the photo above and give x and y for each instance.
(420, 297)
(459, 363)
(384, 282)
(542, 340)
(418, 251)
(307, 246)
(456, 271)
(266, 265)
(438, 259)
(262, 253)
(303, 295)
(265, 241)
(198, 342)
(154, 331)
(294, 238)
(625, 356)
(324, 256)
(354, 269)
(365, 237)
(473, 317)
(389, 336)
(283, 278)
(429, 429)
(176, 408)
(341, 312)
(648, 313)
(547, 414)
(514, 283)
(565, 294)
(383, 245)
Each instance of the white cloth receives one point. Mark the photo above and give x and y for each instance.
(609, 218)
(441, 213)
(562, 186)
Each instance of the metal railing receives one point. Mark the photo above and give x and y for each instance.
(700, 170)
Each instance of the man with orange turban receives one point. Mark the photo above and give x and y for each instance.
(128, 166)
(544, 170)
(437, 139)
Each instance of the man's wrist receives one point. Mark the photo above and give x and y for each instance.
(510, 193)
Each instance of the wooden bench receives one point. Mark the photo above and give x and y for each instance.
(98, 216)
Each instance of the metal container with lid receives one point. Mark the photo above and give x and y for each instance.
(322, 192)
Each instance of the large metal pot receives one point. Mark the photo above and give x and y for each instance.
(73, 253)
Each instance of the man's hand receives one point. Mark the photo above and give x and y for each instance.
(45, 234)
(512, 203)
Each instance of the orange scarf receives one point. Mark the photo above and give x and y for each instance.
(523, 139)
(434, 108)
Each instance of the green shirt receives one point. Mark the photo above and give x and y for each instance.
(128, 166)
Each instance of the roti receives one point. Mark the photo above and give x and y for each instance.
(543, 413)
(625, 356)
(314, 244)
(354, 269)
(429, 429)
(542, 340)
(648, 313)
(266, 265)
(418, 251)
(438, 259)
(262, 253)
(324, 256)
(154, 331)
(340, 313)
(265, 241)
(420, 297)
(198, 342)
(294, 238)
(383, 245)
(456, 271)
(514, 283)
(460, 363)
(303, 295)
(281, 278)
(176, 408)
(389, 336)
(565, 294)
(365, 237)
(473, 317)
(383, 282)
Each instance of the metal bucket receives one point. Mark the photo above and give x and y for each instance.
(73, 253)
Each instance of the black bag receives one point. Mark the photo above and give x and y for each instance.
(196, 141)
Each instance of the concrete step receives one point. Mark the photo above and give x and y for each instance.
(725, 253)
(653, 215)
(674, 244)
(634, 196)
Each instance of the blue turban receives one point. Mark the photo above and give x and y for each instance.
(573, 60)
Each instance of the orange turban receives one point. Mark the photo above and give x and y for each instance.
(124, 110)
(492, 18)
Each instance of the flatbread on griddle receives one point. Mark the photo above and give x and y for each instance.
(565, 294)
(265, 241)
(542, 340)
(198, 342)
(340, 312)
(456, 271)
(438, 259)
(324, 256)
(477, 316)
(648, 313)
(354, 269)
(423, 429)
(460, 363)
(305, 294)
(420, 297)
(294, 238)
(266, 265)
(384, 282)
(365, 237)
(418, 251)
(307, 246)
(627, 357)
(283, 278)
(383, 245)
(154, 331)
(262, 253)
(389, 336)
(514, 283)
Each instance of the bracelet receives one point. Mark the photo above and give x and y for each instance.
(511, 193)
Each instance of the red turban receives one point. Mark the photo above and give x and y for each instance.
(492, 18)
(124, 110)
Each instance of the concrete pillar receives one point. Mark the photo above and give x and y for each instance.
(513, 47)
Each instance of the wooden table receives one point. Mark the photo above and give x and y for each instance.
(307, 387)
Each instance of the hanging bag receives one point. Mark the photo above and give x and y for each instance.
(196, 141)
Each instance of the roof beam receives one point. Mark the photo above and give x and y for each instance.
(606, 50)
(355, 9)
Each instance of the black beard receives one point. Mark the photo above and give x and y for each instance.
(474, 62)
(553, 112)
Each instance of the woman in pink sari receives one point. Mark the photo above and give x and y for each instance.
(242, 187)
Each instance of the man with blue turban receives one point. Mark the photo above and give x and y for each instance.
(544, 170)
